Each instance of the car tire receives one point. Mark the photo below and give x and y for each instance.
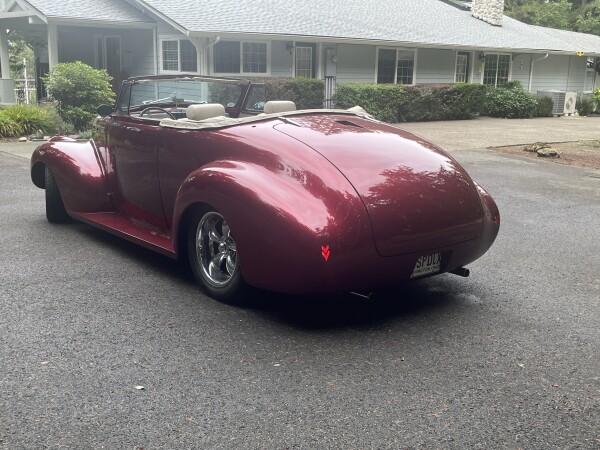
(213, 258)
(55, 208)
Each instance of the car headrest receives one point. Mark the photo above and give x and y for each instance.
(204, 111)
(279, 106)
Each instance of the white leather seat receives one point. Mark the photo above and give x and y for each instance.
(204, 111)
(279, 106)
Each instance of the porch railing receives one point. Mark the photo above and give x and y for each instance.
(26, 92)
(330, 86)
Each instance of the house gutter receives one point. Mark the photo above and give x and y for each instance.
(531, 70)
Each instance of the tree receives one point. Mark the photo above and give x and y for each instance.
(589, 19)
(78, 90)
(574, 15)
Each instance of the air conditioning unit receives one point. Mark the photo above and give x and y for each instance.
(570, 101)
(564, 102)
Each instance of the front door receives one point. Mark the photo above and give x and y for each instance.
(305, 60)
(113, 61)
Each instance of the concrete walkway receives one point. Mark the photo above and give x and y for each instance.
(488, 132)
(461, 134)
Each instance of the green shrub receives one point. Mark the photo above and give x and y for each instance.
(393, 103)
(510, 101)
(78, 90)
(584, 105)
(544, 107)
(469, 98)
(8, 127)
(441, 102)
(306, 93)
(596, 97)
(60, 126)
(30, 119)
(382, 101)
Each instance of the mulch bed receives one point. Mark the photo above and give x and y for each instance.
(579, 153)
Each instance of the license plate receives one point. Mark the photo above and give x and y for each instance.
(427, 264)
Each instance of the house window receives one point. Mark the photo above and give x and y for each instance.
(590, 74)
(240, 57)
(395, 66)
(227, 57)
(496, 69)
(304, 62)
(254, 57)
(179, 56)
(463, 67)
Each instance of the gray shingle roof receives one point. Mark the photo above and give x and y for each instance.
(101, 10)
(418, 22)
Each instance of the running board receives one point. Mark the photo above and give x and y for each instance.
(124, 227)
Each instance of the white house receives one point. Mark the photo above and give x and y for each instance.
(371, 41)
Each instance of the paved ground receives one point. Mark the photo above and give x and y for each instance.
(508, 358)
(489, 132)
(462, 134)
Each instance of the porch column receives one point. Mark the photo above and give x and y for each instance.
(52, 45)
(4, 62)
(7, 85)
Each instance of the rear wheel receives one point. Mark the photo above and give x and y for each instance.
(213, 257)
(55, 208)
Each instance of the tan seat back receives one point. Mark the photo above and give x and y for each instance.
(278, 106)
(204, 111)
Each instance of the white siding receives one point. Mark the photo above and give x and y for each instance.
(281, 59)
(550, 73)
(356, 63)
(138, 52)
(520, 69)
(435, 66)
(77, 44)
(577, 74)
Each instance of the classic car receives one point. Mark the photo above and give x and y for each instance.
(258, 194)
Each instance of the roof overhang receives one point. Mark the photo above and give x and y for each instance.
(332, 40)
(98, 23)
(145, 8)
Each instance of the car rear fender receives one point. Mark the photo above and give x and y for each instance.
(79, 174)
(279, 220)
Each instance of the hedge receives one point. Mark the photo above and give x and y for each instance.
(510, 101)
(306, 93)
(396, 103)
(380, 100)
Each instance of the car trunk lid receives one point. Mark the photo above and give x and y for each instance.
(417, 197)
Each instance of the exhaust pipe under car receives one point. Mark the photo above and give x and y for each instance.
(461, 272)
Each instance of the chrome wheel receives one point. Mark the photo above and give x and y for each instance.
(215, 250)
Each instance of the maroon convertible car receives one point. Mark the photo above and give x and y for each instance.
(258, 194)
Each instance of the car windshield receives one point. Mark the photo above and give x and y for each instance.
(175, 92)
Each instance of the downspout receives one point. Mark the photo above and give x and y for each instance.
(531, 70)
(155, 48)
(205, 58)
(568, 73)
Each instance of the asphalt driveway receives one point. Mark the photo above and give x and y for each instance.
(462, 134)
(106, 345)
(489, 132)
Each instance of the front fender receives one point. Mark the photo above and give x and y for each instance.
(294, 232)
(78, 171)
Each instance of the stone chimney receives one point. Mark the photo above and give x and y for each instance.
(490, 11)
